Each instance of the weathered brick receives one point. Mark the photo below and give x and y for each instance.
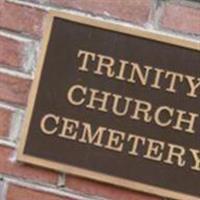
(181, 18)
(14, 89)
(10, 167)
(21, 18)
(11, 52)
(5, 120)
(104, 190)
(135, 11)
(21, 193)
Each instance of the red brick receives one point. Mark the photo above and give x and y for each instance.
(181, 18)
(20, 193)
(11, 52)
(9, 167)
(22, 19)
(5, 119)
(104, 190)
(136, 11)
(13, 89)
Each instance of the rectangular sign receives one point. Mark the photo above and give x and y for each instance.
(116, 104)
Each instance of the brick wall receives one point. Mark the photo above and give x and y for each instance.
(21, 27)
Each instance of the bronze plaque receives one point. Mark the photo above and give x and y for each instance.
(116, 104)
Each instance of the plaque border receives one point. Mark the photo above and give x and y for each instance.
(111, 25)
